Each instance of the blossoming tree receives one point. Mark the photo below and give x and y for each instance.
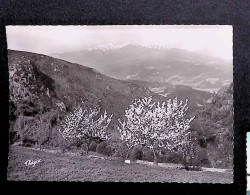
(85, 125)
(156, 125)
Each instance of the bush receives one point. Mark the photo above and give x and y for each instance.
(63, 144)
(113, 145)
(173, 158)
(101, 147)
(63, 147)
(92, 146)
(13, 137)
(202, 159)
(121, 150)
(104, 148)
(54, 139)
(115, 138)
(192, 168)
(148, 155)
(77, 143)
(109, 151)
(28, 142)
(136, 153)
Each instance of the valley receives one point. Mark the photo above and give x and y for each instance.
(152, 64)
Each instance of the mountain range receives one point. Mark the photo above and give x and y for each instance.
(155, 64)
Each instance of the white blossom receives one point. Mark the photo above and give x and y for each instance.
(156, 125)
(85, 123)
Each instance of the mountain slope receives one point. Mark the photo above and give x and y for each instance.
(51, 82)
(213, 128)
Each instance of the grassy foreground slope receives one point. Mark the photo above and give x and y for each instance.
(65, 167)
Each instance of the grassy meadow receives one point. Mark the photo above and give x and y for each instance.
(69, 167)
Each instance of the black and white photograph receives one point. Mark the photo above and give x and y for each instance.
(121, 103)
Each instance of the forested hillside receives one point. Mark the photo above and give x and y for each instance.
(213, 128)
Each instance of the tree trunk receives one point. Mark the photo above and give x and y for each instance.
(85, 147)
(87, 150)
(22, 144)
(186, 162)
(62, 149)
(21, 139)
(155, 158)
(127, 154)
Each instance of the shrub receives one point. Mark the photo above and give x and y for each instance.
(115, 137)
(62, 147)
(202, 159)
(54, 139)
(76, 143)
(192, 168)
(63, 144)
(121, 150)
(28, 142)
(104, 148)
(136, 153)
(101, 147)
(113, 145)
(148, 154)
(109, 151)
(202, 142)
(173, 158)
(13, 137)
(92, 146)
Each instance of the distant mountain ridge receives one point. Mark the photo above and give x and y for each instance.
(156, 64)
(195, 97)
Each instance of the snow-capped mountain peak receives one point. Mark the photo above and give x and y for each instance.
(107, 47)
(111, 46)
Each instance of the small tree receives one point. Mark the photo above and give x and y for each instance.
(43, 128)
(156, 125)
(85, 125)
(189, 153)
(21, 126)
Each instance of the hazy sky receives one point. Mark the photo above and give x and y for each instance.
(213, 40)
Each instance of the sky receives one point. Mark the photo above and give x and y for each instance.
(214, 40)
